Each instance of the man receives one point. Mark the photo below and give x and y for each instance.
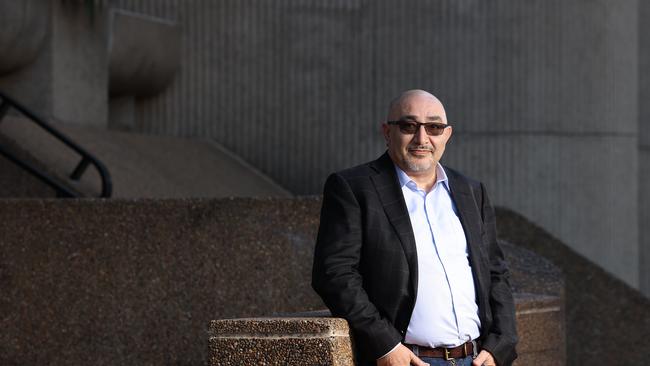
(407, 252)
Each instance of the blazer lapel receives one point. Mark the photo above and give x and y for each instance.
(392, 200)
(468, 213)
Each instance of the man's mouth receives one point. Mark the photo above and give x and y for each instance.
(420, 150)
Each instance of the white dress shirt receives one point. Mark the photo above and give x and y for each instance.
(445, 313)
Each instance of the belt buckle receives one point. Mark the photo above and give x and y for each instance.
(446, 354)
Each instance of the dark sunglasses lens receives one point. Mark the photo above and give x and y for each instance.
(408, 128)
(434, 129)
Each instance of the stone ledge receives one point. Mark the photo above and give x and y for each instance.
(280, 341)
(312, 338)
(285, 327)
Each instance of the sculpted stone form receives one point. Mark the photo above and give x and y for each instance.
(23, 32)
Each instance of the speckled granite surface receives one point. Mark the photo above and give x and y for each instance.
(608, 323)
(277, 341)
(135, 282)
(282, 342)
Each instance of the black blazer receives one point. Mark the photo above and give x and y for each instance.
(365, 261)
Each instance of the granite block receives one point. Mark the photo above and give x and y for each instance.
(109, 282)
(280, 326)
(316, 339)
(280, 341)
(540, 325)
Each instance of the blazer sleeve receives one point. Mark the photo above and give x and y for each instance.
(501, 338)
(336, 275)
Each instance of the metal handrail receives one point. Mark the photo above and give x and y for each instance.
(86, 158)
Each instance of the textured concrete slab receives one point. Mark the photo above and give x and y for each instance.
(281, 341)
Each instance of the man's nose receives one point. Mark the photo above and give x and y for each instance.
(421, 136)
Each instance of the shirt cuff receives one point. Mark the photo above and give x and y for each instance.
(387, 353)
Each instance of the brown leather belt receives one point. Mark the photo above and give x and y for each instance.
(464, 350)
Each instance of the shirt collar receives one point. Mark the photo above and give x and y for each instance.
(405, 180)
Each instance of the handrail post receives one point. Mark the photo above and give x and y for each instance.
(80, 169)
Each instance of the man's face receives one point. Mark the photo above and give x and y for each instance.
(418, 153)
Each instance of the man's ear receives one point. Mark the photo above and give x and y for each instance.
(385, 130)
(448, 132)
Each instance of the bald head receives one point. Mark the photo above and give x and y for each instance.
(400, 105)
(414, 136)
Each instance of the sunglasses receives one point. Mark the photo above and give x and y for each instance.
(411, 127)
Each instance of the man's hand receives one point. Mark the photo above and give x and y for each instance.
(484, 358)
(400, 356)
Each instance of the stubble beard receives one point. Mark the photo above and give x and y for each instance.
(417, 165)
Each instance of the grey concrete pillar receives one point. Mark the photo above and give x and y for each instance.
(644, 147)
(68, 81)
(546, 113)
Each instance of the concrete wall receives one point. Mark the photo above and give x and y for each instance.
(644, 146)
(543, 96)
